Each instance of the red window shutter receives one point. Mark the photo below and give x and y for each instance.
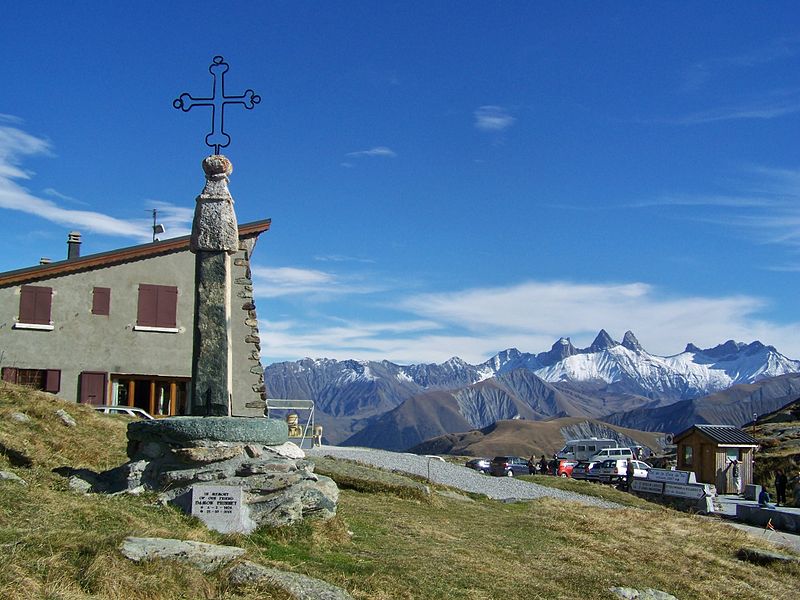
(34, 304)
(10, 374)
(167, 306)
(52, 381)
(101, 301)
(148, 303)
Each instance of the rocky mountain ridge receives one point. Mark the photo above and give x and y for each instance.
(386, 405)
(607, 369)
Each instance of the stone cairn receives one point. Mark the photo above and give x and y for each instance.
(173, 455)
(176, 456)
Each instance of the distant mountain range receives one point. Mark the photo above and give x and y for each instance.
(386, 405)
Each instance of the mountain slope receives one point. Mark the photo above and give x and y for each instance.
(419, 418)
(524, 438)
(365, 388)
(734, 406)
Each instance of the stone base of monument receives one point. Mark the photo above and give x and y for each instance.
(234, 473)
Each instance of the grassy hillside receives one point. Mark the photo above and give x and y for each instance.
(778, 433)
(389, 541)
(521, 438)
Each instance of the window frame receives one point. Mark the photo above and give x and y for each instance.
(35, 308)
(157, 308)
(101, 301)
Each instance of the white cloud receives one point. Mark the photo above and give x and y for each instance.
(314, 285)
(342, 258)
(476, 323)
(15, 145)
(762, 109)
(765, 209)
(493, 118)
(59, 196)
(376, 151)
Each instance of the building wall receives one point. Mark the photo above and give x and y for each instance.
(81, 341)
(710, 462)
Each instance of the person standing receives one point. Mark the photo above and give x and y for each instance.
(629, 471)
(781, 481)
(543, 465)
(736, 474)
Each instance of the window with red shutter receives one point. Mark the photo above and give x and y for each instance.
(52, 380)
(101, 301)
(34, 304)
(158, 306)
(10, 374)
(167, 306)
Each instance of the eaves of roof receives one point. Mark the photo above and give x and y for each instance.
(726, 435)
(114, 257)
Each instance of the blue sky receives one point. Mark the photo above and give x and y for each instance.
(443, 178)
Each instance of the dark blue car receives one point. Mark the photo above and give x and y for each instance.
(509, 466)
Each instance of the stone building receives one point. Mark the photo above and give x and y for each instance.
(117, 327)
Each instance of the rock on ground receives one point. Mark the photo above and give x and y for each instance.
(205, 557)
(298, 586)
(9, 476)
(764, 557)
(645, 594)
(66, 419)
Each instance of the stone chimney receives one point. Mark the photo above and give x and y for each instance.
(73, 245)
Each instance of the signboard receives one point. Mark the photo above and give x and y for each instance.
(650, 487)
(220, 508)
(697, 490)
(669, 476)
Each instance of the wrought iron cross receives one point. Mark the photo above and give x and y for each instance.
(217, 138)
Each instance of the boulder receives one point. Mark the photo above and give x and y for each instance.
(299, 587)
(65, 417)
(202, 556)
(764, 557)
(645, 594)
(9, 476)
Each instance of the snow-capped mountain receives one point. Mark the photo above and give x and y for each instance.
(607, 377)
(692, 373)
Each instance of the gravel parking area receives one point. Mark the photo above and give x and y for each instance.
(455, 476)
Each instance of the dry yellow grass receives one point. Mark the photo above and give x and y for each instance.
(57, 544)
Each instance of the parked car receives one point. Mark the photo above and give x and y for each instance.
(583, 470)
(509, 466)
(128, 411)
(615, 470)
(565, 467)
(479, 464)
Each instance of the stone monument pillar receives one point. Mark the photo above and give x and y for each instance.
(215, 237)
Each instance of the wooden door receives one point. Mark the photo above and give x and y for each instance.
(707, 463)
(93, 388)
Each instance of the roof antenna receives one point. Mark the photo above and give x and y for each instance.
(158, 228)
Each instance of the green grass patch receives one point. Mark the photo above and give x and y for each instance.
(385, 543)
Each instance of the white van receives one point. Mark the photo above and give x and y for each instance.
(608, 453)
(584, 449)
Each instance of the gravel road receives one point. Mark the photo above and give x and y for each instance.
(456, 476)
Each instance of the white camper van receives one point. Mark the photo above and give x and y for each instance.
(616, 453)
(584, 449)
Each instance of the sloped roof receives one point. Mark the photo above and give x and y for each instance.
(722, 434)
(114, 257)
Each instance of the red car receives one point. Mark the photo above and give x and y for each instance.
(565, 467)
